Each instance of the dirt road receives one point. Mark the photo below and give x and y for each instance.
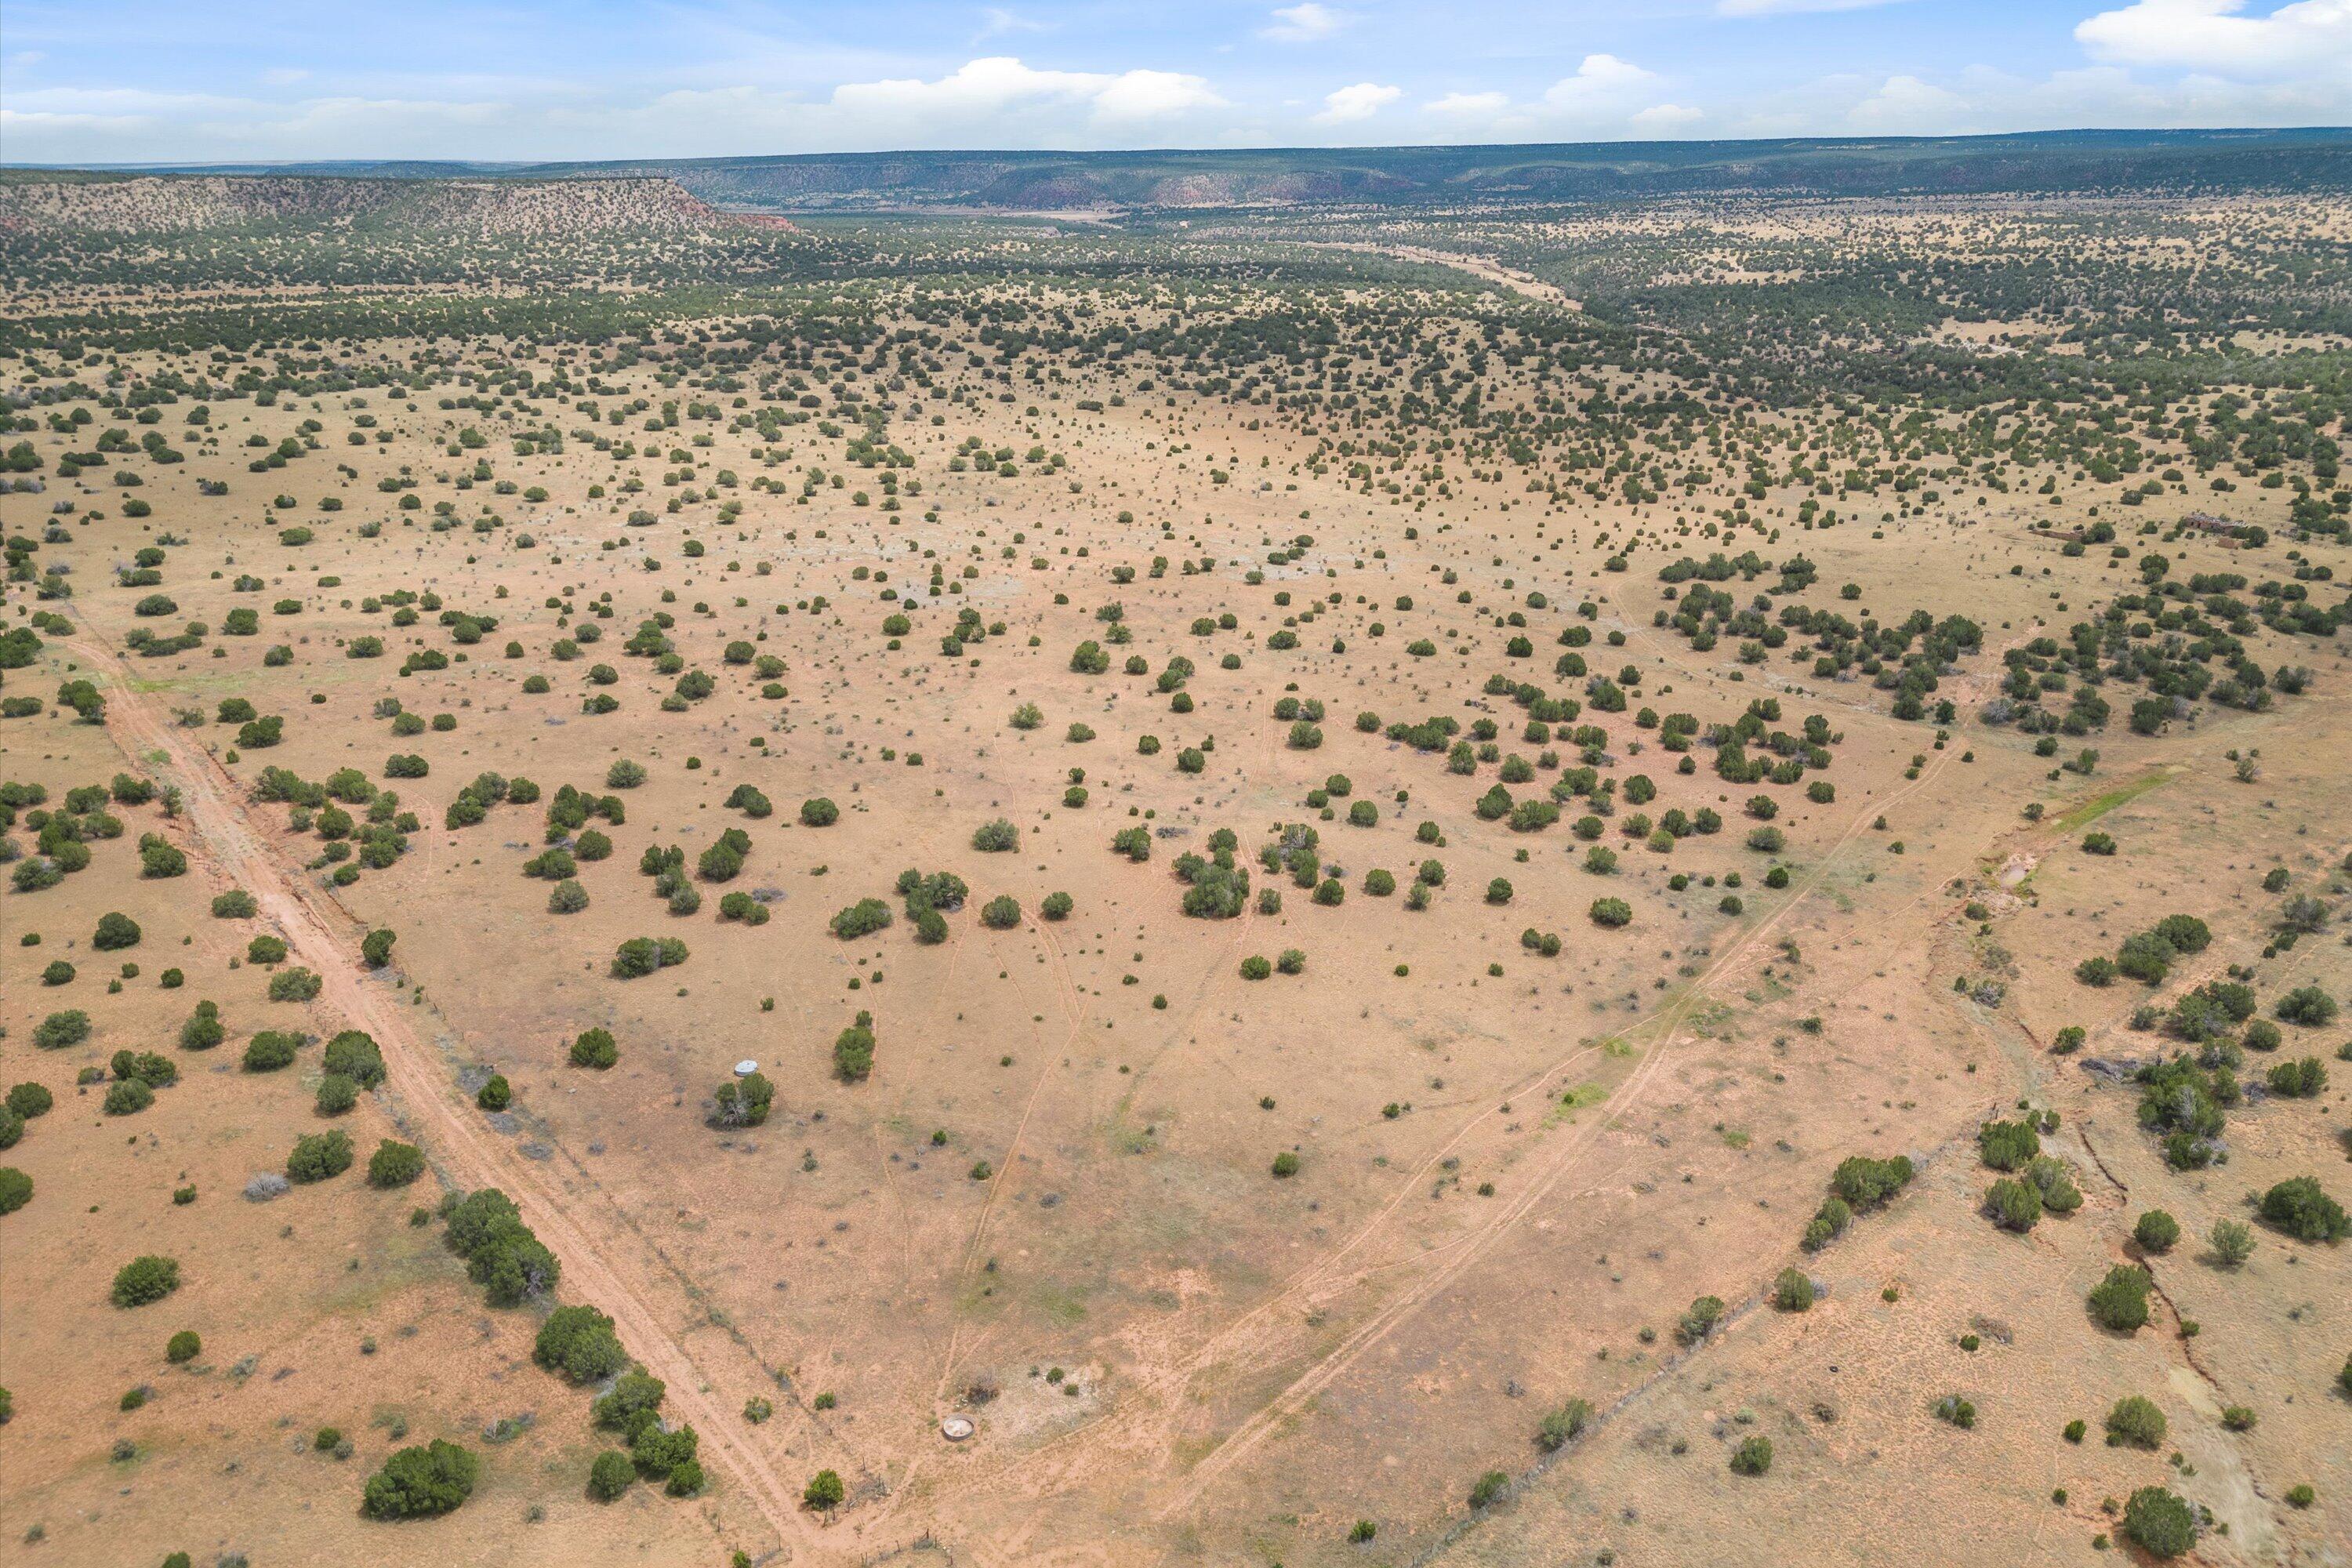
(1484, 267)
(322, 936)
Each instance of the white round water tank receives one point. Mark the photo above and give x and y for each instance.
(746, 1067)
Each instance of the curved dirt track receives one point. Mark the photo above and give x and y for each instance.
(323, 937)
(1467, 1250)
(1486, 269)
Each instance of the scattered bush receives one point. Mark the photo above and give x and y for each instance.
(594, 1048)
(394, 1165)
(2156, 1231)
(2160, 1523)
(2135, 1422)
(145, 1279)
(2119, 1301)
(319, 1155)
(578, 1343)
(421, 1482)
(2299, 1207)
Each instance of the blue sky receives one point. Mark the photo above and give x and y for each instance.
(100, 81)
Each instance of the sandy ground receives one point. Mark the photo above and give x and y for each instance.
(1513, 1171)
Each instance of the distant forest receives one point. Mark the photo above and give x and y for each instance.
(2064, 162)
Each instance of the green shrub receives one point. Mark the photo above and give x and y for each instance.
(2160, 1523)
(395, 1163)
(610, 1475)
(271, 1051)
(853, 1052)
(636, 1394)
(2308, 1005)
(1865, 1183)
(183, 1347)
(2119, 1301)
(419, 1482)
(145, 1279)
(203, 1027)
(2156, 1231)
(294, 986)
(15, 1189)
(594, 1048)
(1699, 1319)
(1753, 1456)
(824, 1490)
(1793, 1290)
(579, 1345)
(1564, 1425)
(743, 1102)
(2300, 1208)
(2135, 1422)
(863, 917)
(2007, 1145)
(319, 1155)
(58, 1030)
(114, 932)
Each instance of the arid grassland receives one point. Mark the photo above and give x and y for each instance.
(1652, 881)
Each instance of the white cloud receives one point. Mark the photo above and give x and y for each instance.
(1306, 22)
(1905, 105)
(995, 21)
(1139, 95)
(1604, 95)
(1601, 83)
(1481, 105)
(991, 88)
(1361, 102)
(2305, 38)
(1662, 118)
(1790, 7)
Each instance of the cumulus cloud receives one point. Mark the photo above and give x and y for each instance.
(1905, 105)
(1001, 85)
(1139, 95)
(1306, 22)
(1478, 105)
(1661, 118)
(1603, 84)
(1361, 102)
(1604, 95)
(2306, 37)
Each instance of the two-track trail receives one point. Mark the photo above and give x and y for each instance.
(325, 938)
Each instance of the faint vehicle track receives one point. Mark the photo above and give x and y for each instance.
(322, 937)
(1470, 1248)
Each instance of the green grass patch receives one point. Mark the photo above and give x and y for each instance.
(2098, 805)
